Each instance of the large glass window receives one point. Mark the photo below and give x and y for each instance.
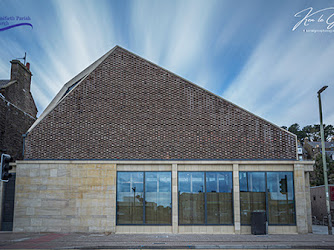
(205, 198)
(281, 203)
(144, 198)
(219, 198)
(252, 194)
(130, 197)
(271, 192)
(191, 198)
(158, 207)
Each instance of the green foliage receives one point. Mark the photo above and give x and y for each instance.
(295, 129)
(311, 131)
(317, 176)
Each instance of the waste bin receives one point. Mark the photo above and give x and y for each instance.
(259, 223)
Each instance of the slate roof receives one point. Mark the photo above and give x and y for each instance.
(6, 83)
(3, 83)
(125, 107)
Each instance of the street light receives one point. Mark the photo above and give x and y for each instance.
(324, 162)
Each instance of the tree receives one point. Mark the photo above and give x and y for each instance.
(295, 129)
(317, 176)
(311, 131)
(329, 132)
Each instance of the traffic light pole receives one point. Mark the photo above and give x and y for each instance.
(5, 167)
(324, 164)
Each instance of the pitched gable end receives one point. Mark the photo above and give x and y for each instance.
(124, 107)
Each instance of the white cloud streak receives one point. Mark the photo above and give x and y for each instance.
(174, 35)
(280, 80)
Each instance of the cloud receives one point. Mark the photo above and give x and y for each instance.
(281, 77)
(174, 34)
(246, 47)
(67, 37)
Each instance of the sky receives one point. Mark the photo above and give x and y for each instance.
(251, 53)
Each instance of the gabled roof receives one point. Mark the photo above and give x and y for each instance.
(125, 107)
(69, 86)
(6, 83)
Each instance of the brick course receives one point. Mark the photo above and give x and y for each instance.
(129, 108)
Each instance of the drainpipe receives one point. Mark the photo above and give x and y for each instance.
(24, 141)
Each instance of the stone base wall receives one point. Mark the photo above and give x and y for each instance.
(65, 198)
(80, 196)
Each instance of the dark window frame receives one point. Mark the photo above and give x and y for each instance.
(205, 199)
(267, 204)
(144, 198)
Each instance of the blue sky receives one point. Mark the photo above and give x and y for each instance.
(243, 51)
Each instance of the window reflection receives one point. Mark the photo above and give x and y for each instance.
(219, 198)
(281, 198)
(191, 198)
(158, 198)
(252, 194)
(205, 198)
(131, 196)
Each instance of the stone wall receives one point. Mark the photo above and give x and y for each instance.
(65, 198)
(13, 124)
(80, 196)
(19, 93)
(318, 202)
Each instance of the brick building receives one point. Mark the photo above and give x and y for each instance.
(18, 112)
(129, 147)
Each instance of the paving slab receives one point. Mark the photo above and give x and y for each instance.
(162, 241)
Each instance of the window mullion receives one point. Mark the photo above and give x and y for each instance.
(205, 200)
(267, 206)
(144, 200)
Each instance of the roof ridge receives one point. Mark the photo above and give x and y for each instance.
(190, 82)
(75, 80)
(59, 97)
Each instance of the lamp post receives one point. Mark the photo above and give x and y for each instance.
(324, 162)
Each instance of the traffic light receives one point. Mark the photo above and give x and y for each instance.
(283, 185)
(5, 160)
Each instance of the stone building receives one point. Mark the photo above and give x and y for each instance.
(129, 147)
(17, 109)
(18, 112)
(314, 147)
(318, 203)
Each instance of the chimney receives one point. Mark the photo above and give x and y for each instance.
(18, 93)
(22, 74)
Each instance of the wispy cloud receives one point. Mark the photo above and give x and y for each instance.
(174, 34)
(280, 79)
(244, 50)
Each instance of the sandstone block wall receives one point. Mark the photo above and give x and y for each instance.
(80, 196)
(65, 198)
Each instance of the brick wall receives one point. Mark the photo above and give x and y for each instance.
(128, 108)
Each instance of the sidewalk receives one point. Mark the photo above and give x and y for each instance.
(163, 241)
